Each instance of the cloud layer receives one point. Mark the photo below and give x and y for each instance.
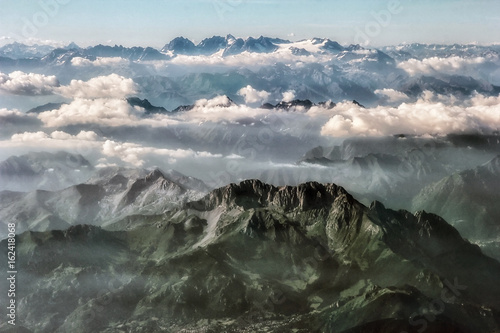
(392, 96)
(99, 62)
(135, 154)
(480, 113)
(107, 151)
(450, 65)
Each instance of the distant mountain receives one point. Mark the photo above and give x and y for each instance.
(460, 86)
(469, 201)
(297, 103)
(21, 51)
(422, 51)
(252, 257)
(182, 108)
(338, 72)
(171, 92)
(130, 53)
(109, 195)
(43, 171)
(45, 107)
(146, 105)
(225, 103)
(395, 169)
(259, 45)
(180, 45)
(229, 44)
(212, 45)
(327, 44)
(72, 46)
(62, 57)
(306, 104)
(50, 56)
(132, 101)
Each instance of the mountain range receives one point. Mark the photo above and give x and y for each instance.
(254, 257)
(230, 45)
(395, 169)
(43, 171)
(108, 195)
(322, 187)
(183, 72)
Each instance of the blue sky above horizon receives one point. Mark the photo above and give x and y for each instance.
(155, 22)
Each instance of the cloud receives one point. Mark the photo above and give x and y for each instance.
(431, 96)
(252, 95)
(479, 114)
(135, 154)
(17, 118)
(55, 135)
(288, 96)
(5, 40)
(219, 101)
(479, 100)
(30, 136)
(83, 135)
(111, 86)
(450, 65)
(392, 96)
(219, 109)
(248, 60)
(99, 62)
(109, 112)
(29, 84)
(234, 157)
(86, 143)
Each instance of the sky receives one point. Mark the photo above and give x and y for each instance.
(155, 22)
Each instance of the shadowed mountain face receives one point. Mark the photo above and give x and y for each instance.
(395, 169)
(252, 257)
(469, 201)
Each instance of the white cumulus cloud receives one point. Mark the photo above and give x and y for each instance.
(55, 135)
(426, 116)
(288, 96)
(392, 96)
(219, 109)
(109, 112)
(83, 135)
(252, 95)
(135, 154)
(30, 136)
(85, 142)
(29, 84)
(111, 86)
